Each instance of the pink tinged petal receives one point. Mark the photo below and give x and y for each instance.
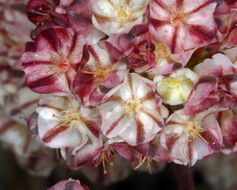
(118, 45)
(200, 150)
(155, 150)
(203, 23)
(97, 75)
(233, 88)
(135, 133)
(83, 155)
(51, 131)
(114, 52)
(142, 56)
(114, 118)
(159, 10)
(232, 39)
(231, 54)
(79, 15)
(201, 14)
(164, 33)
(180, 151)
(49, 68)
(110, 82)
(212, 132)
(123, 150)
(212, 138)
(199, 94)
(49, 84)
(217, 66)
(69, 184)
(228, 123)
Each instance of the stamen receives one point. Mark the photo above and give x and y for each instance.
(58, 155)
(160, 50)
(177, 17)
(193, 129)
(59, 63)
(70, 118)
(105, 157)
(100, 72)
(142, 160)
(123, 11)
(40, 13)
(140, 163)
(133, 106)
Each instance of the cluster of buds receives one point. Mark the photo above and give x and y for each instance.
(141, 81)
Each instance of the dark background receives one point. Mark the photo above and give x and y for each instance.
(173, 177)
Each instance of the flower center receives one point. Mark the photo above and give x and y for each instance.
(106, 157)
(177, 17)
(59, 63)
(133, 106)
(161, 51)
(193, 129)
(180, 87)
(142, 159)
(70, 118)
(123, 11)
(100, 72)
(45, 12)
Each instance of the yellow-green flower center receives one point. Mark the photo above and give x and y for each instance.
(173, 89)
(123, 11)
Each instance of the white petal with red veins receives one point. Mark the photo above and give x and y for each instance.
(63, 122)
(117, 16)
(191, 138)
(187, 26)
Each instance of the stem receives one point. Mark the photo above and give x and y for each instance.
(179, 177)
(184, 177)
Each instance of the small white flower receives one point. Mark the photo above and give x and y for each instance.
(132, 112)
(117, 16)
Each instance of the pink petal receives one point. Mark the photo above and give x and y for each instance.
(228, 124)
(182, 25)
(50, 67)
(69, 184)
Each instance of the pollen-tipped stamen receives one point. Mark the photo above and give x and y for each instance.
(100, 73)
(193, 129)
(142, 159)
(133, 106)
(105, 157)
(70, 118)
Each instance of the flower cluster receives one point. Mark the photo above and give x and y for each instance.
(135, 80)
(115, 79)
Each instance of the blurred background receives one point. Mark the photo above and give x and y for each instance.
(218, 172)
